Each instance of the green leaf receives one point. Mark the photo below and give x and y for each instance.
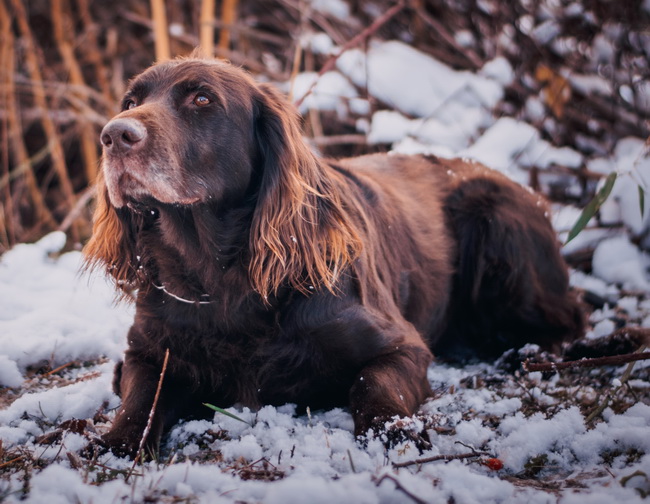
(224, 412)
(641, 200)
(592, 207)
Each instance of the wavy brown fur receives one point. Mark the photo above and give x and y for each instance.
(275, 276)
(301, 233)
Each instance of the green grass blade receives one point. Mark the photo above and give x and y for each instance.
(641, 200)
(224, 412)
(592, 207)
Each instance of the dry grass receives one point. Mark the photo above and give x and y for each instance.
(66, 62)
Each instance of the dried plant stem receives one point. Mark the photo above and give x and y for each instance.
(611, 360)
(88, 143)
(7, 227)
(56, 370)
(295, 67)
(297, 54)
(467, 53)
(152, 413)
(92, 50)
(15, 136)
(161, 35)
(206, 35)
(9, 462)
(228, 16)
(235, 57)
(56, 149)
(81, 203)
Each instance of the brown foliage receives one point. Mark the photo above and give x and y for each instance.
(65, 63)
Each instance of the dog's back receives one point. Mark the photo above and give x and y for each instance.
(500, 281)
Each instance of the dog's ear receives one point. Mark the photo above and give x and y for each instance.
(111, 246)
(302, 234)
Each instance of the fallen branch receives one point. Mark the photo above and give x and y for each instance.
(436, 458)
(399, 486)
(152, 412)
(611, 360)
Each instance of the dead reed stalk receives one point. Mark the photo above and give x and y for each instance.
(62, 29)
(206, 28)
(161, 34)
(38, 92)
(228, 16)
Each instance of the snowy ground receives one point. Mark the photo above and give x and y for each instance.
(533, 426)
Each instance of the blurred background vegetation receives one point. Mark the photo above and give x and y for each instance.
(64, 65)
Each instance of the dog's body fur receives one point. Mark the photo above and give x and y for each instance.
(273, 276)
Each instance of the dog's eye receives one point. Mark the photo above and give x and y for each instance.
(129, 104)
(200, 100)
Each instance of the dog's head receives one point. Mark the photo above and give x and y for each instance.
(203, 132)
(185, 135)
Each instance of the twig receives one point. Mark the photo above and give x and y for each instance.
(623, 381)
(9, 462)
(353, 42)
(436, 458)
(81, 203)
(152, 412)
(354, 469)
(56, 370)
(467, 53)
(399, 486)
(611, 360)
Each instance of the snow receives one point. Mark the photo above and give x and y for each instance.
(52, 315)
(500, 70)
(337, 8)
(316, 456)
(617, 260)
(331, 91)
(502, 144)
(413, 82)
(633, 167)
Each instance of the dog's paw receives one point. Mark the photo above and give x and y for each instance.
(103, 444)
(398, 431)
(94, 449)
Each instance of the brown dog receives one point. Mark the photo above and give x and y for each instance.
(274, 276)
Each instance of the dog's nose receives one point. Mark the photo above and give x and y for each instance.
(123, 135)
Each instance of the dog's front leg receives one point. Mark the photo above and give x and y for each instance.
(393, 384)
(136, 382)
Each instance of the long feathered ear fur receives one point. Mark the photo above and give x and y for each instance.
(302, 234)
(110, 246)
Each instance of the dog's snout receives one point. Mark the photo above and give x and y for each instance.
(122, 135)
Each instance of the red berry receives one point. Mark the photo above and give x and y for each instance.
(494, 463)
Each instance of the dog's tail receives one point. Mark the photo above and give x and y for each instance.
(511, 284)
